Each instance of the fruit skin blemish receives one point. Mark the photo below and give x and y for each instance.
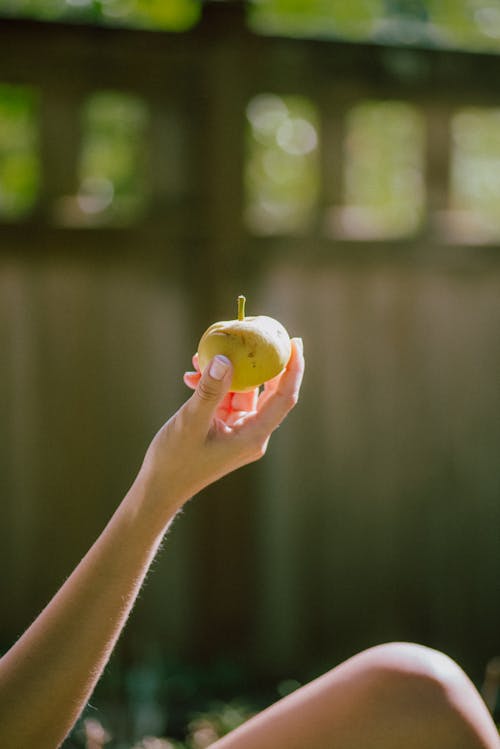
(258, 347)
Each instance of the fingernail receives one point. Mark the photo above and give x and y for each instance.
(219, 367)
(300, 344)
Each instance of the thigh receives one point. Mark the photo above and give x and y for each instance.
(388, 697)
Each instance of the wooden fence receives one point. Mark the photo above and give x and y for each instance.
(376, 513)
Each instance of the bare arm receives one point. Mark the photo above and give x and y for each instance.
(48, 675)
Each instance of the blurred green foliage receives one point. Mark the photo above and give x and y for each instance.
(475, 172)
(160, 702)
(465, 24)
(382, 194)
(383, 181)
(114, 159)
(316, 18)
(282, 164)
(203, 729)
(174, 15)
(384, 161)
(19, 162)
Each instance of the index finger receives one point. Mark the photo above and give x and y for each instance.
(272, 409)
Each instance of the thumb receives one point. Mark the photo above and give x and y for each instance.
(211, 389)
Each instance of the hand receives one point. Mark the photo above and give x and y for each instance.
(233, 406)
(217, 431)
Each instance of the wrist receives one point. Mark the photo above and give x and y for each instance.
(150, 503)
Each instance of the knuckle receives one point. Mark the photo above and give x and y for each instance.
(292, 398)
(253, 448)
(259, 449)
(206, 391)
(288, 399)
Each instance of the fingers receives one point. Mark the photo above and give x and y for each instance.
(211, 389)
(233, 402)
(269, 388)
(224, 407)
(245, 401)
(191, 379)
(269, 408)
(241, 406)
(281, 394)
(233, 406)
(239, 401)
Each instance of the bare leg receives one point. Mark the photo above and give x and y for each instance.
(389, 697)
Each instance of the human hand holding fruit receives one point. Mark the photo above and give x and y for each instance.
(258, 347)
(218, 430)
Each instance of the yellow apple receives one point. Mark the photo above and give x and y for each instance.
(258, 348)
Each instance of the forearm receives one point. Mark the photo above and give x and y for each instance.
(48, 675)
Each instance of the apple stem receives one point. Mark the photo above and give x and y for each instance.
(241, 307)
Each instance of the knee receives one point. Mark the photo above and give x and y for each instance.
(409, 673)
(429, 690)
(416, 665)
(428, 675)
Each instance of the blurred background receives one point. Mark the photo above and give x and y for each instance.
(338, 163)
